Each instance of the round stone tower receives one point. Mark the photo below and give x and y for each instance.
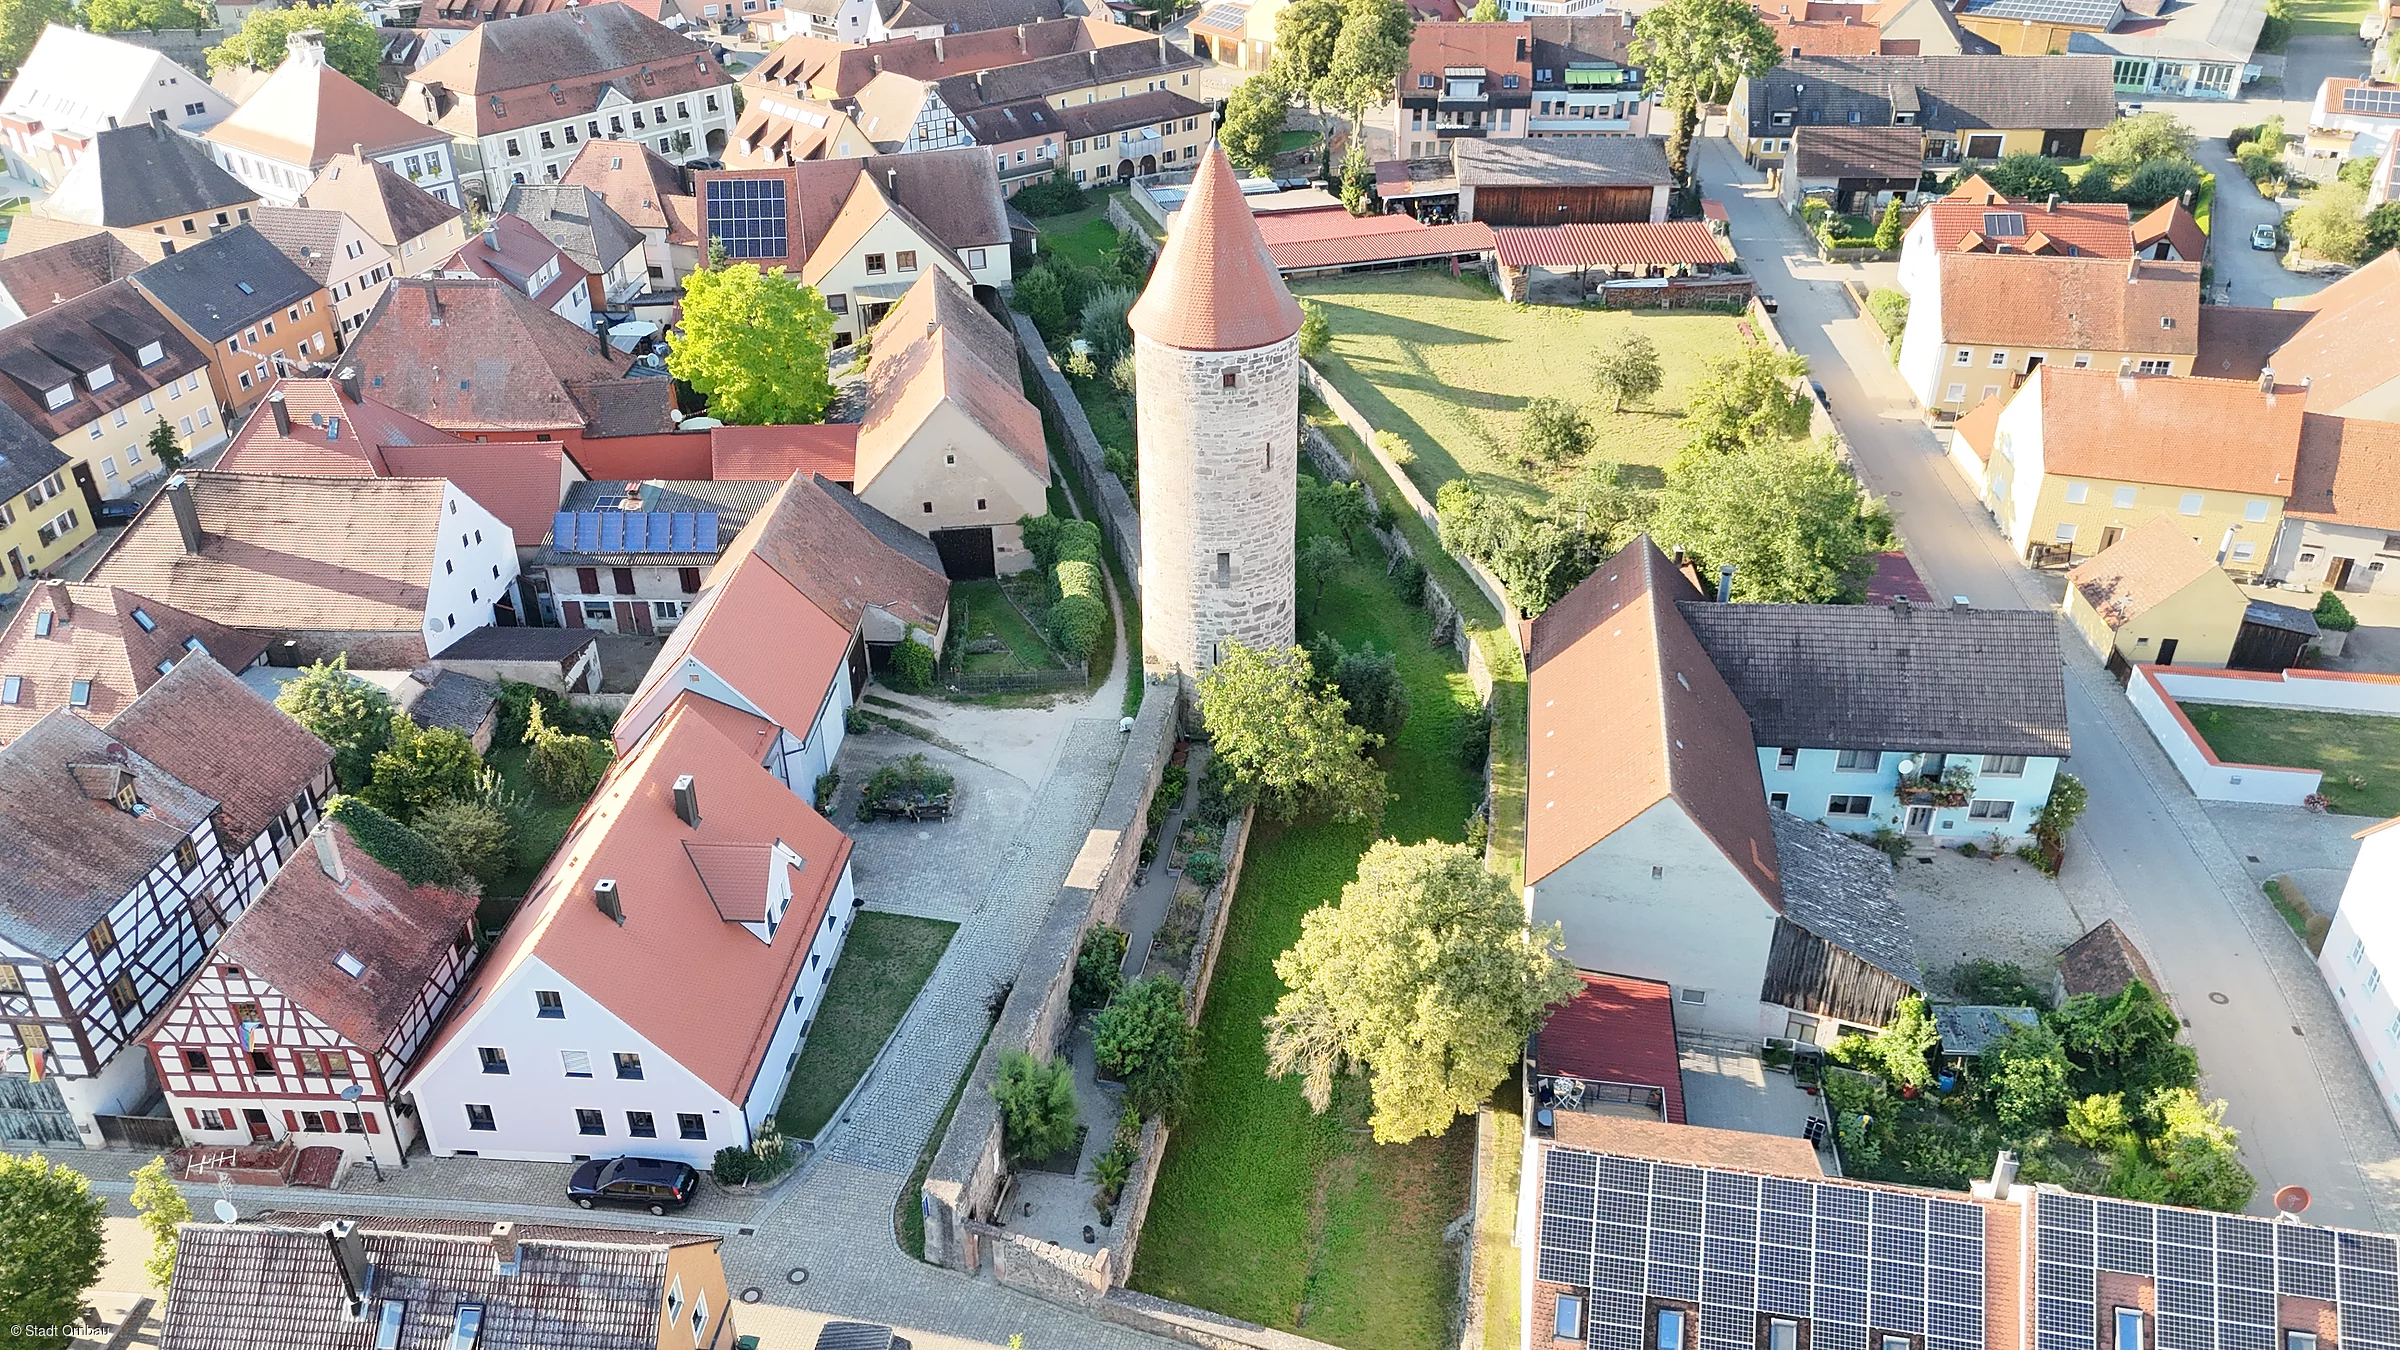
(1216, 354)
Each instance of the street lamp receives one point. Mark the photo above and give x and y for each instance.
(351, 1094)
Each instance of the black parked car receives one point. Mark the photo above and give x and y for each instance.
(118, 511)
(654, 1184)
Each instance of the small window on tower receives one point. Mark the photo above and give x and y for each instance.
(1224, 569)
(1232, 378)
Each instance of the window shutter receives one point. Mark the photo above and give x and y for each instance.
(195, 1115)
(623, 576)
(587, 580)
(291, 1120)
(372, 1127)
(690, 577)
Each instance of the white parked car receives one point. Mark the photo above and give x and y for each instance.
(2371, 28)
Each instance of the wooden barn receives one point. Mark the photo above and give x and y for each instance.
(1595, 180)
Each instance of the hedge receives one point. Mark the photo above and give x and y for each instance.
(392, 844)
(1076, 622)
(1079, 578)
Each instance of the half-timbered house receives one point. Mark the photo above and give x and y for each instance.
(314, 1005)
(112, 889)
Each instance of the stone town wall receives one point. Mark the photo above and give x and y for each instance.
(1119, 521)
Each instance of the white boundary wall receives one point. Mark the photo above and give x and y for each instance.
(2157, 692)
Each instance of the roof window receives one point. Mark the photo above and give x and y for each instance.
(43, 621)
(244, 287)
(100, 376)
(349, 965)
(61, 396)
(142, 617)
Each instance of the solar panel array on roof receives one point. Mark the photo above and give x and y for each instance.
(1844, 1257)
(746, 216)
(2003, 224)
(634, 532)
(2217, 1275)
(2079, 13)
(2384, 102)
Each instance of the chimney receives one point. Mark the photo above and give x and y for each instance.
(158, 120)
(350, 1258)
(2053, 208)
(1095, 60)
(1725, 584)
(687, 801)
(1022, 48)
(2004, 1173)
(604, 894)
(891, 180)
(187, 516)
(508, 1254)
(283, 413)
(112, 124)
(61, 602)
(1900, 606)
(2266, 380)
(329, 853)
(491, 235)
(930, 325)
(351, 385)
(1162, 49)
(359, 149)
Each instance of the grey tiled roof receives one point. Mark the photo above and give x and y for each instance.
(221, 286)
(1891, 677)
(1571, 161)
(250, 1285)
(1952, 93)
(1841, 890)
(455, 702)
(1972, 1028)
(576, 219)
(134, 175)
(67, 856)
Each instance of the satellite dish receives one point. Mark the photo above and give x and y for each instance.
(1908, 768)
(2291, 1199)
(226, 1213)
(352, 1093)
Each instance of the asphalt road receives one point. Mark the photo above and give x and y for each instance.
(2144, 839)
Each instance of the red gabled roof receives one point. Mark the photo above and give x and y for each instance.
(2077, 229)
(1426, 241)
(2174, 223)
(1616, 1029)
(1628, 244)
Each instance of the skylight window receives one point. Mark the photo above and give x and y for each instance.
(42, 623)
(349, 965)
(194, 644)
(142, 617)
(81, 696)
(245, 288)
(12, 688)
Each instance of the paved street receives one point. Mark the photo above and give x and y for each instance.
(2146, 853)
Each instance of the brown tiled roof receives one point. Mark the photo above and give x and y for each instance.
(630, 833)
(60, 345)
(351, 554)
(2070, 304)
(521, 482)
(1676, 729)
(217, 734)
(1502, 48)
(777, 453)
(307, 112)
(502, 363)
(828, 545)
(500, 76)
(1124, 64)
(2096, 229)
(1858, 152)
(2352, 344)
(68, 853)
(2349, 473)
(305, 235)
(631, 178)
(922, 371)
(2149, 564)
(39, 278)
(2237, 341)
(1110, 115)
(2222, 434)
(1214, 287)
(866, 207)
(954, 194)
(843, 68)
(780, 128)
(250, 1284)
(2175, 224)
(2103, 961)
(96, 635)
(391, 209)
(291, 935)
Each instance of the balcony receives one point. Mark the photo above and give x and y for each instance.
(1553, 1093)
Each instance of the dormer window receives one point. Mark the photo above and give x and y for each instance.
(151, 353)
(1904, 119)
(127, 798)
(1784, 118)
(60, 397)
(100, 377)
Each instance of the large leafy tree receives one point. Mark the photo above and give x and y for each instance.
(125, 16)
(1424, 975)
(2146, 136)
(49, 1250)
(420, 767)
(161, 1209)
(345, 712)
(1288, 739)
(353, 45)
(1305, 34)
(1695, 50)
(1748, 397)
(1789, 518)
(21, 25)
(1254, 117)
(753, 344)
(1368, 56)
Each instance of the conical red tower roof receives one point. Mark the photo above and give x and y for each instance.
(1215, 289)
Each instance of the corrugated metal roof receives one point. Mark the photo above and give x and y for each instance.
(1433, 241)
(1638, 244)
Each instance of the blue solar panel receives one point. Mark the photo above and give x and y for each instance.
(746, 215)
(635, 531)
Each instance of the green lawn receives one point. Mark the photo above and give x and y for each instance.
(1449, 366)
(986, 612)
(1083, 236)
(2329, 16)
(543, 825)
(883, 965)
(2359, 755)
(1263, 1210)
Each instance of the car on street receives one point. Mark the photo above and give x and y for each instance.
(654, 1184)
(118, 511)
(1822, 396)
(2262, 238)
(2371, 29)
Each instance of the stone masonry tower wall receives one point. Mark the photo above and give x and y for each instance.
(1216, 363)
(1219, 475)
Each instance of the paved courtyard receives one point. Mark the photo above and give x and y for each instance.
(1985, 909)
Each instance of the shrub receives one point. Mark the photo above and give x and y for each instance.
(911, 667)
(1099, 968)
(1037, 1106)
(477, 839)
(1079, 365)
(1102, 323)
(345, 712)
(1554, 431)
(392, 844)
(911, 773)
(567, 765)
(1396, 447)
(1995, 982)
(1316, 331)
(1888, 307)
(732, 1165)
(1369, 681)
(2027, 1073)
(1144, 1041)
(2098, 1121)
(1079, 578)
(2068, 798)
(1122, 375)
(1042, 297)
(1901, 1048)
(1076, 623)
(1408, 578)
(1475, 739)
(1042, 535)
(1205, 869)
(420, 766)
(2160, 180)
(2333, 615)
(1079, 541)
(1055, 195)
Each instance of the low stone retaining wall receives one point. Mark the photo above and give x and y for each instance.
(1121, 216)
(1118, 520)
(1196, 1326)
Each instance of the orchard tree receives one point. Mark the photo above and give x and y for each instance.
(753, 344)
(2128, 141)
(161, 1209)
(21, 25)
(1554, 431)
(1286, 739)
(1628, 372)
(1424, 976)
(49, 1250)
(2028, 177)
(1789, 518)
(1319, 558)
(1696, 50)
(1747, 398)
(353, 44)
(345, 712)
(126, 16)
(1253, 127)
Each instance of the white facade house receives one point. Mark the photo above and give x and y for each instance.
(2341, 525)
(474, 564)
(307, 112)
(2361, 947)
(75, 84)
